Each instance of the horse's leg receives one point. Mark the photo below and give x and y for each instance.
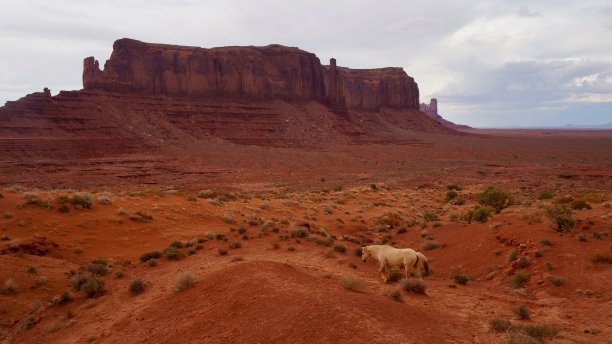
(383, 265)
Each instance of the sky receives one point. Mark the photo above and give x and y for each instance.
(489, 63)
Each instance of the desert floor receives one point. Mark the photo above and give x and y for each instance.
(270, 238)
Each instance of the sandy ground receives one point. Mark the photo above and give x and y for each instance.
(275, 288)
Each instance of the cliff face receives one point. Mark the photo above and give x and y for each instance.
(258, 73)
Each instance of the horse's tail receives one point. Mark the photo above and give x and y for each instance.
(421, 257)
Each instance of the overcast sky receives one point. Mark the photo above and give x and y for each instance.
(489, 63)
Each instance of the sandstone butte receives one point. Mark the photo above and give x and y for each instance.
(152, 95)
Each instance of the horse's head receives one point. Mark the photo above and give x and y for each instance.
(365, 253)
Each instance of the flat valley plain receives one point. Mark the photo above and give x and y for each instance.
(260, 244)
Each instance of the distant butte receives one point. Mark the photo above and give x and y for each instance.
(170, 101)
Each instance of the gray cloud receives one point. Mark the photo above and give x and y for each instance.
(483, 60)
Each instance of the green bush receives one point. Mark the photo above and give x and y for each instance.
(494, 198)
(93, 286)
(477, 214)
(560, 217)
(413, 285)
(500, 324)
(430, 216)
(150, 255)
(82, 199)
(450, 195)
(137, 286)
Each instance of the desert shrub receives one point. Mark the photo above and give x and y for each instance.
(581, 237)
(119, 274)
(150, 255)
(494, 198)
(394, 293)
(172, 253)
(546, 243)
(121, 211)
(152, 262)
(373, 186)
(453, 187)
(430, 245)
(556, 280)
(220, 237)
(522, 311)
(82, 200)
(430, 216)
(538, 331)
(339, 248)
(299, 232)
(500, 324)
(401, 229)
(222, 251)
(413, 285)
(96, 268)
(352, 265)
(522, 262)
(580, 204)
(177, 244)
(602, 258)
(207, 194)
(275, 245)
(512, 254)
(77, 281)
(104, 200)
(478, 214)
(451, 194)
(459, 277)
(136, 286)
(141, 216)
(8, 215)
(9, 287)
(5, 237)
(93, 286)
(184, 281)
(519, 279)
(228, 219)
(560, 217)
(235, 244)
(537, 254)
(352, 282)
(357, 251)
(389, 220)
(1, 195)
(32, 269)
(63, 298)
(545, 195)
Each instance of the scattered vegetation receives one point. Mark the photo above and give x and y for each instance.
(546, 243)
(430, 216)
(560, 217)
(352, 282)
(97, 267)
(222, 251)
(299, 232)
(494, 198)
(339, 248)
(184, 281)
(500, 324)
(150, 255)
(522, 311)
(141, 216)
(172, 253)
(104, 200)
(82, 200)
(519, 279)
(451, 194)
(458, 277)
(512, 254)
(136, 286)
(413, 285)
(430, 245)
(477, 214)
(90, 285)
(32, 270)
(556, 280)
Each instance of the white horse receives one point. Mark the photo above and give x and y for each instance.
(395, 257)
